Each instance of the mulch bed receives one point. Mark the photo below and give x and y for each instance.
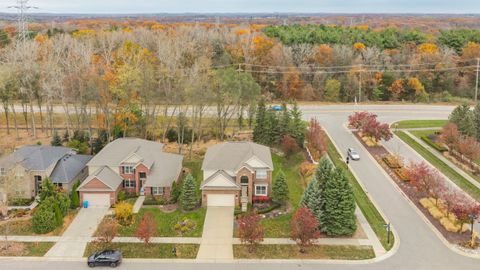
(379, 152)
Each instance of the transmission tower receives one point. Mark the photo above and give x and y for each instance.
(22, 7)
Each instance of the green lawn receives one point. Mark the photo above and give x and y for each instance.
(459, 180)
(166, 222)
(32, 249)
(420, 124)
(366, 206)
(152, 250)
(280, 226)
(313, 252)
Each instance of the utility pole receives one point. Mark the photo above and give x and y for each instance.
(360, 83)
(476, 80)
(22, 7)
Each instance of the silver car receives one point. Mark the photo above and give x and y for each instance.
(353, 154)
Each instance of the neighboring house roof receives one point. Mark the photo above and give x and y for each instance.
(120, 149)
(164, 167)
(106, 176)
(232, 156)
(220, 180)
(68, 167)
(36, 157)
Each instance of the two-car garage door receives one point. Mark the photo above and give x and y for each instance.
(97, 199)
(221, 200)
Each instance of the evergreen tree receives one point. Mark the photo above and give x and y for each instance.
(297, 126)
(175, 192)
(459, 113)
(188, 197)
(285, 121)
(74, 199)
(56, 140)
(259, 129)
(467, 124)
(312, 198)
(271, 129)
(338, 217)
(280, 188)
(476, 113)
(323, 173)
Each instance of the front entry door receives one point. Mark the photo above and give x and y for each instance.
(244, 191)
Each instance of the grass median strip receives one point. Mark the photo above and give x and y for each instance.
(449, 172)
(313, 252)
(32, 249)
(151, 250)
(366, 206)
(420, 124)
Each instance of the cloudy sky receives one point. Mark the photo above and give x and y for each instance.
(251, 6)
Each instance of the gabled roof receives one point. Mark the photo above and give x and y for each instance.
(120, 149)
(166, 169)
(221, 180)
(231, 156)
(36, 157)
(68, 167)
(106, 176)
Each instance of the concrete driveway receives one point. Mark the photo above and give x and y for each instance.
(76, 236)
(217, 237)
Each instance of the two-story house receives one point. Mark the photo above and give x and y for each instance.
(235, 173)
(133, 165)
(22, 172)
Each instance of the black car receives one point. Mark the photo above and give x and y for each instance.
(110, 258)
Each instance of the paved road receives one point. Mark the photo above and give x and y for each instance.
(419, 247)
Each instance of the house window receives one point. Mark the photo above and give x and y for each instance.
(127, 169)
(157, 190)
(129, 183)
(142, 175)
(244, 180)
(261, 174)
(260, 190)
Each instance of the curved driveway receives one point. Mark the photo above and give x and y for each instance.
(419, 247)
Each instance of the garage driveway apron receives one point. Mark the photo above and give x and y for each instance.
(74, 240)
(217, 237)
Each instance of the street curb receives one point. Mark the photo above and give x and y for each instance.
(422, 216)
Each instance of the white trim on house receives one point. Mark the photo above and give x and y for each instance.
(262, 193)
(158, 191)
(219, 180)
(255, 162)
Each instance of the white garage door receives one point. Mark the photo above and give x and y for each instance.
(221, 200)
(97, 200)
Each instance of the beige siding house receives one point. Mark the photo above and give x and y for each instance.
(236, 173)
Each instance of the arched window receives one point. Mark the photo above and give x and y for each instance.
(243, 180)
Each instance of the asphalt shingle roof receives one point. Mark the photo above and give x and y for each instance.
(68, 167)
(106, 175)
(36, 157)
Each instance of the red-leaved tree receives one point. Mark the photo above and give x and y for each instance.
(376, 130)
(146, 229)
(358, 119)
(450, 135)
(107, 230)
(425, 179)
(250, 231)
(316, 138)
(289, 145)
(463, 209)
(304, 228)
(469, 147)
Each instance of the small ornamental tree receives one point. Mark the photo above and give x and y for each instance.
(376, 130)
(74, 199)
(425, 179)
(358, 119)
(250, 231)
(305, 170)
(44, 220)
(280, 188)
(316, 138)
(147, 228)
(48, 190)
(107, 230)
(188, 197)
(469, 147)
(450, 135)
(289, 145)
(464, 209)
(56, 140)
(124, 213)
(176, 191)
(304, 228)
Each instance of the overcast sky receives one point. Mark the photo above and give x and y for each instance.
(251, 6)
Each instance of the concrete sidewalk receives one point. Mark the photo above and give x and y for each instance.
(75, 238)
(138, 204)
(217, 234)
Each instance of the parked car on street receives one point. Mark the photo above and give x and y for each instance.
(353, 154)
(110, 258)
(277, 108)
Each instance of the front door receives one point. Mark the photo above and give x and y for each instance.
(38, 183)
(244, 191)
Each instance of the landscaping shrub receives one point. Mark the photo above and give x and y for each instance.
(184, 226)
(20, 201)
(426, 203)
(434, 144)
(402, 174)
(121, 196)
(44, 220)
(151, 200)
(124, 213)
(272, 207)
(176, 191)
(436, 214)
(172, 135)
(392, 161)
(107, 230)
(63, 203)
(74, 199)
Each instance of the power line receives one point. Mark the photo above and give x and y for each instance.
(22, 7)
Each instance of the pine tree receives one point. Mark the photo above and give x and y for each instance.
(285, 121)
(188, 198)
(476, 113)
(338, 218)
(459, 113)
(323, 172)
(297, 127)
(75, 201)
(259, 129)
(280, 188)
(271, 129)
(312, 198)
(56, 140)
(467, 124)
